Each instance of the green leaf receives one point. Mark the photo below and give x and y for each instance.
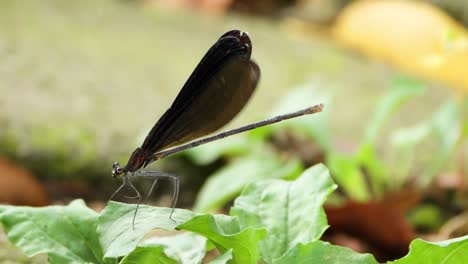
(291, 211)
(447, 126)
(148, 255)
(464, 114)
(185, 248)
(411, 136)
(405, 143)
(401, 90)
(427, 217)
(447, 252)
(226, 183)
(226, 233)
(66, 233)
(348, 175)
(375, 168)
(118, 238)
(324, 252)
(224, 258)
(116, 234)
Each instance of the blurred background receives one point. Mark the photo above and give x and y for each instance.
(82, 82)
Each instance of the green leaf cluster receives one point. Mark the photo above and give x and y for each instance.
(364, 173)
(273, 221)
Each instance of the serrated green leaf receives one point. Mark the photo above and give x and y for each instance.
(118, 238)
(116, 234)
(226, 233)
(453, 251)
(187, 248)
(223, 259)
(323, 252)
(66, 233)
(291, 211)
(226, 183)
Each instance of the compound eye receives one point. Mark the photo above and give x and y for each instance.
(117, 170)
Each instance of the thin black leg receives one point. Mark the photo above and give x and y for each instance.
(156, 175)
(138, 203)
(120, 188)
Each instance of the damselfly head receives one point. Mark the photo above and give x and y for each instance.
(117, 171)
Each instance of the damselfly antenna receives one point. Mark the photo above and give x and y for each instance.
(214, 94)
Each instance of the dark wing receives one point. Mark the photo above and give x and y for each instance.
(214, 94)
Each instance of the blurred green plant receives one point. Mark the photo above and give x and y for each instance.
(251, 158)
(374, 167)
(274, 221)
(64, 149)
(363, 174)
(444, 127)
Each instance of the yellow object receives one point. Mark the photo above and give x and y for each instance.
(414, 36)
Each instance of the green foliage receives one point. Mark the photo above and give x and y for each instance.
(444, 127)
(280, 206)
(364, 173)
(66, 233)
(224, 258)
(116, 233)
(348, 169)
(323, 252)
(426, 217)
(226, 233)
(367, 172)
(118, 238)
(401, 90)
(273, 221)
(184, 248)
(215, 192)
(349, 176)
(314, 126)
(64, 149)
(252, 159)
(448, 251)
(146, 255)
